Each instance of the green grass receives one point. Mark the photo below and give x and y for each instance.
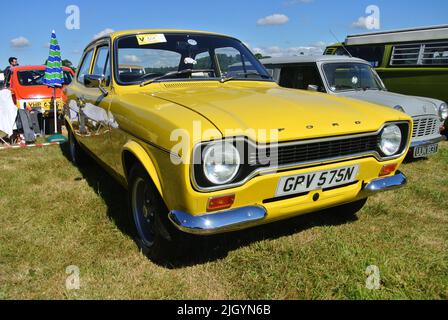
(52, 216)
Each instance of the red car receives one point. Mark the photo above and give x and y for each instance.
(28, 91)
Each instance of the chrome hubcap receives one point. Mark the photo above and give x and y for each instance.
(143, 211)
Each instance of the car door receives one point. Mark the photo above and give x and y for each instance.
(91, 105)
(75, 94)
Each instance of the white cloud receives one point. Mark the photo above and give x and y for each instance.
(320, 44)
(130, 58)
(276, 51)
(293, 2)
(275, 19)
(361, 23)
(103, 33)
(20, 42)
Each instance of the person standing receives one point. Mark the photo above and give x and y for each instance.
(9, 70)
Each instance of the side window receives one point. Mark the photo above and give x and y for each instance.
(373, 54)
(300, 77)
(68, 78)
(435, 53)
(102, 65)
(85, 66)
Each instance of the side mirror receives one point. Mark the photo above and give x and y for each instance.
(95, 81)
(313, 87)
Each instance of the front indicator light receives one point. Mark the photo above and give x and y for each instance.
(220, 203)
(388, 169)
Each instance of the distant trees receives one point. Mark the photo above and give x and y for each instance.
(65, 63)
(260, 56)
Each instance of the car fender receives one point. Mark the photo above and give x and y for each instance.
(145, 160)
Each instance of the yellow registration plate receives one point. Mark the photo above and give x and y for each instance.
(40, 104)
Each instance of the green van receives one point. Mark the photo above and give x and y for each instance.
(411, 62)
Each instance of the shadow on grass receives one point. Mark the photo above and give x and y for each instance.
(203, 249)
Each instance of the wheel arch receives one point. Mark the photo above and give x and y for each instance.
(133, 153)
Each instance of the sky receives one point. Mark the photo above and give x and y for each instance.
(270, 27)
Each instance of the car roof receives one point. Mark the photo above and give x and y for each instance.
(140, 31)
(117, 34)
(309, 59)
(439, 32)
(40, 67)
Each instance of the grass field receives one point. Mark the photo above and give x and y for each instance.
(52, 215)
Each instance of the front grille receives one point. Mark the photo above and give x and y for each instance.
(316, 151)
(259, 158)
(425, 127)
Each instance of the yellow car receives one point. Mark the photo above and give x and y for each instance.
(206, 142)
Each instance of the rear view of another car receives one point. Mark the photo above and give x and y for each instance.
(29, 92)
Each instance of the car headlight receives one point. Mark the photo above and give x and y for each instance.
(390, 140)
(399, 108)
(443, 111)
(221, 163)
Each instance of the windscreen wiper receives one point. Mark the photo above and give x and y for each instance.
(174, 73)
(224, 79)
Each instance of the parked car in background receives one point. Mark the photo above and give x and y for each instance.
(355, 78)
(28, 90)
(410, 61)
(205, 147)
(131, 69)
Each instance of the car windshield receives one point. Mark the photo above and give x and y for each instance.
(351, 76)
(146, 58)
(30, 78)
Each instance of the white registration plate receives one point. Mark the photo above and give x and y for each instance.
(316, 181)
(424, 151)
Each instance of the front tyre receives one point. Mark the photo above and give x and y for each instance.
(153, 234)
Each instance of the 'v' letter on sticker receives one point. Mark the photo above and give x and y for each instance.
(144, 39)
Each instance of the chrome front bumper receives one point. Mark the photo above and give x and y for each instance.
(415, 144)
(220, 222)
(384, 184)
(245, 217)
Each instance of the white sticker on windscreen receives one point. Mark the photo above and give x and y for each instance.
(144, 39)
(192, 42)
